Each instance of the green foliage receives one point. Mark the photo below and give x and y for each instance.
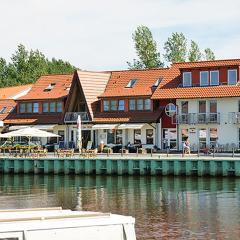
(27, 66)
(209, 54)
(176, 48)
(194, 52)
(146, 49)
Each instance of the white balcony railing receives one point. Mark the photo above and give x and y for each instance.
(198, 118)
(71, 117)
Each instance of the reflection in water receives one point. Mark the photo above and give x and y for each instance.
(164, 207)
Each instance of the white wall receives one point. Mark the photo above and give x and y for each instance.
(227, 131)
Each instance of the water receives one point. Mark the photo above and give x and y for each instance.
(164, 207)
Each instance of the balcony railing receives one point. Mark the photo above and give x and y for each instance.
(234, 117)
(198, 118)
(71, 117)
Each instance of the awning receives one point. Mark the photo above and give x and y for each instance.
(41, 127)
(131, 126)
(104, 126)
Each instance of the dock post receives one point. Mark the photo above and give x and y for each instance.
(122, 152)
(225, 168)
(237, 168)
(233, 152)
(120, 167)
(130, 167)
(165, 167)
(200, 168)
(214, 152)
(151, 152)
(167, 152)
(198, 152)
(137, 152)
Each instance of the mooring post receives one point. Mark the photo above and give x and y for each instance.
(213, 152)
(122, 152)
(151, 152)
(233, 153)
(167, 151)
(137, 151)
(198, 151)
(108, 152)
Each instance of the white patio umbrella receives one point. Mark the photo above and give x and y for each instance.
(28, 132)
(79, 128)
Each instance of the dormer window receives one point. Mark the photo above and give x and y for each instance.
(204, 78)
(49, 87)
(156, 84)
(214, 78)
(3, 110)
(187, 79)
(232, 77)
(131, 83)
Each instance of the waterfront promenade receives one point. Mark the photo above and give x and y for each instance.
(221, 164)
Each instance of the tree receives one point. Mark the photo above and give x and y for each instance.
(146, 49)
(209, 54)
(27, 66)
(194, 52)
(176, 48)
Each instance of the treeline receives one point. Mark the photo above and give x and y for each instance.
(27, 66)
(176, 49)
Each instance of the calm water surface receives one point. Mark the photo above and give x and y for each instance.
(164, 207)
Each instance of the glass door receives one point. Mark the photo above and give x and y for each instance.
(169, 139)
(202, 138)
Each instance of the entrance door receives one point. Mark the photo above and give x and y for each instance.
(86, 136)
(169, 139)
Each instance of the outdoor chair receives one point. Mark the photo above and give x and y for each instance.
(89, 152)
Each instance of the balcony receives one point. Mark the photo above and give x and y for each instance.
(198, 118)
(71, 117)
(234, 117)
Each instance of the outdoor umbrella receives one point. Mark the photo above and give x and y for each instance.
(79, 128)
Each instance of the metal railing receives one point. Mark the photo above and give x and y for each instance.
(198, 118)
(234, 117)
(71, 117)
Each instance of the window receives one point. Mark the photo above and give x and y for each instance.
(45, 107)
(214, 78)
(204, 78)
(232, 77)
(49, 87)
(187, 79)
(213, 137)
(105, 106)
(149, 136)
(139, 104)
(202, 138)
(113, 105)
(61, 134)
(52, 107)
(213, 106)
(59, 107)
(184, 107)
(131, 83)
(132, 104)
(137, 136)
(158, 81)
(3, 110)
(12, 109)
(29, 107)
(147, 104)
(35, 107)
(202, 106)
(22, 108)
(121, 105)
(72, 135)
(170, 109)
(119, 137)
(110, 136)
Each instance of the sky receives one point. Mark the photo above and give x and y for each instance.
(97, 34)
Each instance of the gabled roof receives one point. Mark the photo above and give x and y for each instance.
(93, 85)
(52, 86)
(170, 86)
(145, 79)
(9, 104)
(14, 92)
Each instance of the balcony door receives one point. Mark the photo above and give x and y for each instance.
(213, 116)
(202, 109)
(169, 139)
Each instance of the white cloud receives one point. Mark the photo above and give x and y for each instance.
(96, 34)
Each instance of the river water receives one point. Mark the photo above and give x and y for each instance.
(164, 207)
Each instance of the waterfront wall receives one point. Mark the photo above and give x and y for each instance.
(188, 167)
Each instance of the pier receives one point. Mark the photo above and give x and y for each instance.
(116, 165)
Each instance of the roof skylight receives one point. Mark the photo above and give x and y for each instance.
(158, 81)
(131, 83)
(3, 109)
(49, 87)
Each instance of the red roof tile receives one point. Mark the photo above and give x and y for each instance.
(60, 89)
(11, 92)
(9, 104)
(116, 86)
(169, 86)
(121, 117)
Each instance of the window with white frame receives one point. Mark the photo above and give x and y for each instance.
(187, 79)
(232, 77)
(149, 136)
(204, 81)
(170, 109)
(214, 78)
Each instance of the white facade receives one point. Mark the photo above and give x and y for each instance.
(227, 129)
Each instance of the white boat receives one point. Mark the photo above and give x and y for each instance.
(59, 224)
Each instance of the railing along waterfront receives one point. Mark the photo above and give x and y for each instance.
(198, 118)
(71, 117)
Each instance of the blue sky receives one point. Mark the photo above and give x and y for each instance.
(96, 35)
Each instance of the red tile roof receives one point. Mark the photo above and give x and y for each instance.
(9, 104)
(21, 119)
(60, 89)
(11, 92)
(121, 117)
(116, 86)
(169, 87)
